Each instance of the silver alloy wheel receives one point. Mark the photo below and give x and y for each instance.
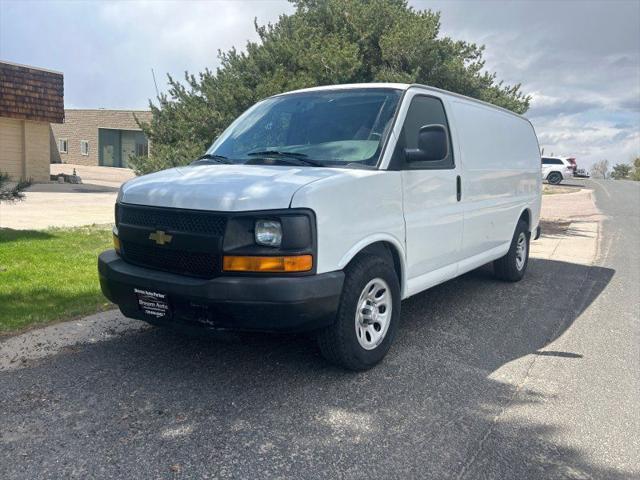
(373, 314)
(521, 251)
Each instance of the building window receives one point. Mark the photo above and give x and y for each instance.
(84, 147)
(142, 150)
(62, 145)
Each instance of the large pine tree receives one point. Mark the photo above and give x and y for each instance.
(324, 42)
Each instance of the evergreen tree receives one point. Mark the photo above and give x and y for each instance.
(636, 170)
(621, 171)
(324, 42)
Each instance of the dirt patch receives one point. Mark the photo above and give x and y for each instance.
(22, 350)
(554, 227)
(557, 189)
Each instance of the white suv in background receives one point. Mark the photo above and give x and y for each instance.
(556, 169)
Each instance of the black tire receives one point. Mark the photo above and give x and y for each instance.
(554, 178)
(339, 342)
(506, 268)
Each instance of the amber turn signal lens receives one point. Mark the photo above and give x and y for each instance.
(297, 263)
(116, 243)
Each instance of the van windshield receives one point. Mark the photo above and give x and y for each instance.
(321, 128)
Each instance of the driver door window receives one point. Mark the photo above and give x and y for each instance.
(423, 111)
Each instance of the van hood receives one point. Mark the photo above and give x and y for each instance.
(222, 187)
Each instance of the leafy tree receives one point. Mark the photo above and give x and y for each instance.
(12, 192)
(621, 171)
(636, 170)
(324, 42)
(600, 169)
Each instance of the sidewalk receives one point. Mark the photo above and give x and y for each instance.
(41, 210)
(94, 175)
(67, 205)
(570, 226)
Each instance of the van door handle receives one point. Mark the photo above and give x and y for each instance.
(458, 188)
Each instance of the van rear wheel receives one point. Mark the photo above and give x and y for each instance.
(367, 318)
(512, 266)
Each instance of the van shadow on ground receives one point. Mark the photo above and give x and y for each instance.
(269, 406)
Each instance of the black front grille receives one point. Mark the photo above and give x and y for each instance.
(193, 250)
(189, 221)
(199, 264)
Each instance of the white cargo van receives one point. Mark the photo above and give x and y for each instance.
(321, 209)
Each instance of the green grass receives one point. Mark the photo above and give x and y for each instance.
(50, 275)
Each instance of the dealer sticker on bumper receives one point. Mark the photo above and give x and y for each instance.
(153, 303)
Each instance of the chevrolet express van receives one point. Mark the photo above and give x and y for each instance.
(321, 209)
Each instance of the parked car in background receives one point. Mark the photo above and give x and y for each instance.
(322, 209)
(556, 169)
(572, 162)
(581, 173)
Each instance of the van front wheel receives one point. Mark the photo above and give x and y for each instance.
(367, 318)
(512, 266)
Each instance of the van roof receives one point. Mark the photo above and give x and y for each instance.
(401, 86)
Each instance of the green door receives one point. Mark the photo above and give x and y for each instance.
(109, 145)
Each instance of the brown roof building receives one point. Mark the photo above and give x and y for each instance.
(30, 99)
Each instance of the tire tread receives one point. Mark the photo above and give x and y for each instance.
(504, 268)
(333, 343)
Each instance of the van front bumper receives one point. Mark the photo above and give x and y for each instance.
(226, 302)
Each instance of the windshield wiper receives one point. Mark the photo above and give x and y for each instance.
(211, 158)
(292, 158)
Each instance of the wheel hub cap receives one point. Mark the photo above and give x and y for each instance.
(373, 314)
(521, 251)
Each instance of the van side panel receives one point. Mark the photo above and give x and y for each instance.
(500, 176)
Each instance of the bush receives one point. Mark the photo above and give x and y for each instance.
(12, 192)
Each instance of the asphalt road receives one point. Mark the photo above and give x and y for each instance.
(538, 379)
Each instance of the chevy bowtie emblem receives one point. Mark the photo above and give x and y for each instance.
(160, 237)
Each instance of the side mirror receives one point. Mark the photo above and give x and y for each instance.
(433, 145)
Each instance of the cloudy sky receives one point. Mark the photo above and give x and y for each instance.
(580, 61)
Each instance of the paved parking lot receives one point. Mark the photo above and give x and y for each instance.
(486, 380)
(67, 205)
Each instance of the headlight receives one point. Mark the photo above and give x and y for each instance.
(268, 233)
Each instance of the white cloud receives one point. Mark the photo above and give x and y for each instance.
(187, 35)
(579, 61)
(174, 37)
(588, 141)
